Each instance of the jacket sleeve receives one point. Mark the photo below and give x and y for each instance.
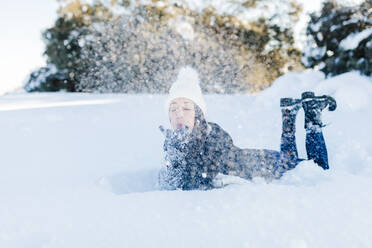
(250, 163)
(244, 163)
(219, 151)
(172, 175)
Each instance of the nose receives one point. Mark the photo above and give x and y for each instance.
(179, 113)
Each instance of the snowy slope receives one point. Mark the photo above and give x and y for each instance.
(80, 171)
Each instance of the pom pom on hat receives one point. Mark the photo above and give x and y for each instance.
(187, 85)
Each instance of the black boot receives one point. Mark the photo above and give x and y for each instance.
(315, 145)
(290, 104)
(288, 148)
(313, 106)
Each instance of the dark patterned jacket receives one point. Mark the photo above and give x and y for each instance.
(211, 151)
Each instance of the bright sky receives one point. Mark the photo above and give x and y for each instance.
(21, 47)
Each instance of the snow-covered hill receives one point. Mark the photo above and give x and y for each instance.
(80, 171)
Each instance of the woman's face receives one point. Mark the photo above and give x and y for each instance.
(182, 113)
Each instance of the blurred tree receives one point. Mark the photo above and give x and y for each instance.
(119, 45)
(340, 39)
(63, 46)
(48, 79)
(142, 52)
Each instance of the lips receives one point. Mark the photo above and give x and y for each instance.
(179, 125)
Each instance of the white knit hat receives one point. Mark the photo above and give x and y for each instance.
(187, 86)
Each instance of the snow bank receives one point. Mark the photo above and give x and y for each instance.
(80, 171)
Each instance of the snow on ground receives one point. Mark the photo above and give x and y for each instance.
(80, 171)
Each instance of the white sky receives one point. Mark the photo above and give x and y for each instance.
(21, 47)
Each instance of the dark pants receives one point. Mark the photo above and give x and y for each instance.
(316, 147)
(288, 148)
(315, 144)
(272, 164)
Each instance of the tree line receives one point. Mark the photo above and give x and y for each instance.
(132, 47)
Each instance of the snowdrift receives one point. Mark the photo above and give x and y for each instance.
(80, 170)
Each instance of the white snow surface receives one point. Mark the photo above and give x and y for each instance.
(80, 170)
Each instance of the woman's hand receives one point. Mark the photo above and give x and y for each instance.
(175, 148)
(175, 145)
(177, 138)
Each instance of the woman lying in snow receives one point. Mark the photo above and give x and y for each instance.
(197, 150)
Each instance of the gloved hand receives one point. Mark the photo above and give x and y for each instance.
(175, 144)
(173, 176)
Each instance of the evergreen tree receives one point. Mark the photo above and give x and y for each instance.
(341, 39)
(64, 42)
